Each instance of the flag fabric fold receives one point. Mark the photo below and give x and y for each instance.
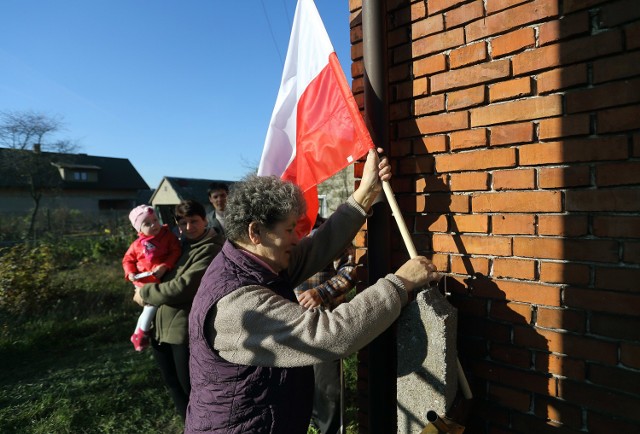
(316, 128)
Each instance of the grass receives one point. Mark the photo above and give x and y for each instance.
(73, 370)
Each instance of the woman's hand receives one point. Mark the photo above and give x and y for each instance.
(417, 273)
(375, 170)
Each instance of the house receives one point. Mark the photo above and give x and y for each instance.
(86, 183)
(172, 190)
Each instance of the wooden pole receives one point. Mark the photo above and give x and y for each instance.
(406, 236)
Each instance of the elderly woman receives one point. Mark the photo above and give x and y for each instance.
(252, 344)
(173, 297)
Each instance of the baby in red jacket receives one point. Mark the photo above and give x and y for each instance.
(148, 258)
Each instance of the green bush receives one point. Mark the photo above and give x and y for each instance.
(25, 278)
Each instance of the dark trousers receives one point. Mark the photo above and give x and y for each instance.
(173, 361)
(326, 397)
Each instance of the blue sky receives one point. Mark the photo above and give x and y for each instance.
(180, 88)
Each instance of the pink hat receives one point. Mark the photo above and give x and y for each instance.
(138, 214)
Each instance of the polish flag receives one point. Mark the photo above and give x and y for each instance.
(316, 128)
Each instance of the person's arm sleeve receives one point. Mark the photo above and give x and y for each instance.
(336, 287)
(183, 287)
(254, 326)
(175, 250)
(129, 261)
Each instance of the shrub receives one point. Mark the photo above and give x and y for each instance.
(25, 283)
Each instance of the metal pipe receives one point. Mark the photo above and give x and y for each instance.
(434, 419)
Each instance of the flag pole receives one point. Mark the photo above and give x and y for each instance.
(397, 214)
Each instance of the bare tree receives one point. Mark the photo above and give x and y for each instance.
(28, 137)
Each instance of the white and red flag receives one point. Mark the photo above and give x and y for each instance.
(316, 128)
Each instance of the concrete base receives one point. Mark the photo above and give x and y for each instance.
(427, 360)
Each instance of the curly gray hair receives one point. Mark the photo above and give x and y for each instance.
(264, 199)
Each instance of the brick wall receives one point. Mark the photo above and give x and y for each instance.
(515, 144)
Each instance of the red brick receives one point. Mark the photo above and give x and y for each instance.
(560, 365)
(612, 68)
(609, 148)
(468, 55)
(470, 223)
(563, 225)
(443, 123)
(565, 53)
(441, 203)
(616, 226)
(569, 25)
(617, 278)
(620, 200)
(524, 292)
(466, 98)
(510, 354)
(472, 244)
(514, 268)
(602, 301)
(463, 14)
(427, 26)
(440, 5)
(564, 126)
(617, 327)
(471, 75)
(618, 174)
(417, 11)
(511, 18)
(631, 252)
(415, 165)
(522, 201)
(630, 354)
(557, 410)
(576, 5)
(566, 249)
(402, 110)
(616, 13)
(468, 139)
(597, 422)
(510, 398)
(511, 133)
(562, 78)
(563, 177)
(431, 144)
(469, 181)
(519, 179)
(618, 119)
(438, 42)
(510, 89)
(513, 224)
(430, 65)
(600, 400)
(632, 36)
(431, 183)
(430, 104)
(494, 6)
(580, 347)
(476, 160)
(432, 223)
(521, 110)
(607, 95)
(558, 272)
(614, 378)
(512, 42)
(467, 265)
(561, 319)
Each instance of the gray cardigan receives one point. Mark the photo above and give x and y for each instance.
(289, 335)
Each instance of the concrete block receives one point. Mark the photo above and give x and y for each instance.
(427, 360)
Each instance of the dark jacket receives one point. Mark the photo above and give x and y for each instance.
(175, 294)
(248, 399)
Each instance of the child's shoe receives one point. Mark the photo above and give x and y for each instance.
(140, 340)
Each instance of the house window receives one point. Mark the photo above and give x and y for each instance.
(80, 176)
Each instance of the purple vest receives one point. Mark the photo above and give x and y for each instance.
(239, 399)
